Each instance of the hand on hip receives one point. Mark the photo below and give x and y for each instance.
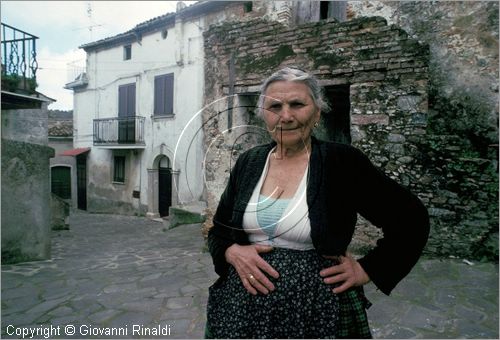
(251, 268)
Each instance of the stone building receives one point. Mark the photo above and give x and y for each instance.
(26, 213)
(460, 151)
(377, 78)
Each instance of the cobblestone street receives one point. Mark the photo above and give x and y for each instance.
(119, 271)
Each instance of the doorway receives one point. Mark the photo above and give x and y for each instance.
(164, 186)
(81, 181)
(60, 181)
(337, 121)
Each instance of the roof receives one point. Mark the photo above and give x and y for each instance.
(155, 24)
(74, 152)
(60, 128)
(14, 100)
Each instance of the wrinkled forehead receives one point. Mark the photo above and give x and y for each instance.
(283, 90)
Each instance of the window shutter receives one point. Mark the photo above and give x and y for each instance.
(126, 100)
(159, 96)
(169, 91)
(164, 94)
(122, 101)
(131, 100)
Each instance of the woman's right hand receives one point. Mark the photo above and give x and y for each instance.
(249, 266)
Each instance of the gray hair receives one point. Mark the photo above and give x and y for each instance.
(294, 74)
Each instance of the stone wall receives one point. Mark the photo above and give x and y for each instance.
(461, 148)
(395, 117)
(384, 69)
(26, 214)
(26, 125)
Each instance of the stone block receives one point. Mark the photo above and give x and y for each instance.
(179, 216)
(438, 212)
(59, 213)
(396, 138)
(361, 119)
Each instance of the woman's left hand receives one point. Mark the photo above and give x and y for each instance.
(349, 271)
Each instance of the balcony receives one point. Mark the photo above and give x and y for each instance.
(77, 76)
(19, 64)
(119, 132)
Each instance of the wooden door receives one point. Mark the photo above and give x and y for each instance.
(60, 181)
(164, 190)
(81, 181)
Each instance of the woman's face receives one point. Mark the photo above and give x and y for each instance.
(289, 113)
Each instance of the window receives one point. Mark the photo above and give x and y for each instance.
(333, 9)
(164, 95)
(127, 52)
(248, 6)
(324, 9)
(119, 169)
(126, 113)
(126, 100)
(311, 11)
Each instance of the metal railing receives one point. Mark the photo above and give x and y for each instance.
(74, 70)
(18, 54)
(119, 130)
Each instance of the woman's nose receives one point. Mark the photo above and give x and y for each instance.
(286, 114)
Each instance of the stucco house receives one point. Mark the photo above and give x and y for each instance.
(136, 111)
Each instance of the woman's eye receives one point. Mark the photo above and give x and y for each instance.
(297, 104)
(275, 106)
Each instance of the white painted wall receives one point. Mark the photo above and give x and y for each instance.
(179, 138)
(181, 53)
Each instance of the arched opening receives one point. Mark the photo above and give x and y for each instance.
(164, 186)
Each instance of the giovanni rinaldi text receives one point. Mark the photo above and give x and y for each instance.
(49, 331)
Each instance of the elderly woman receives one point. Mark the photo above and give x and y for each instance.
(285, 220)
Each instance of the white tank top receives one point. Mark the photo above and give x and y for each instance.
(292, 230)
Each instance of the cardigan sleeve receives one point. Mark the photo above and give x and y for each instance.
(220, 236)
(401, 216)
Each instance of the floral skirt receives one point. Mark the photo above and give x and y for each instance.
(301, 306)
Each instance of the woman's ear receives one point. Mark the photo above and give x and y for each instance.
(318, 116)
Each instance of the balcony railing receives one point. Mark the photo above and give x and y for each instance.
(77, 75)
(19, 64)
(119, 131)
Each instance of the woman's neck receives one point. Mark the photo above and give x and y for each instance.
(291, 152)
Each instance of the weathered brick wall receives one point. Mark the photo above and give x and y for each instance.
(461, 148)
(393, 118)
(386, 70)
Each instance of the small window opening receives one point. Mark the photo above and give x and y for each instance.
(323, 9)
(127, 52)
(119, 169)
(337, 122)
(164, 34)
(248, 6)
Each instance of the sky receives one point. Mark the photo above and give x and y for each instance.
(63, 26)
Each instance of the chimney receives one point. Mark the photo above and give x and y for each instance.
(180, 6)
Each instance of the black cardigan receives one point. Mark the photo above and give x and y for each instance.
(342, 182)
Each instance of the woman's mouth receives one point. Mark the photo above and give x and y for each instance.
(288, 129)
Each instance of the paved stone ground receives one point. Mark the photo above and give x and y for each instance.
(116, 271)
